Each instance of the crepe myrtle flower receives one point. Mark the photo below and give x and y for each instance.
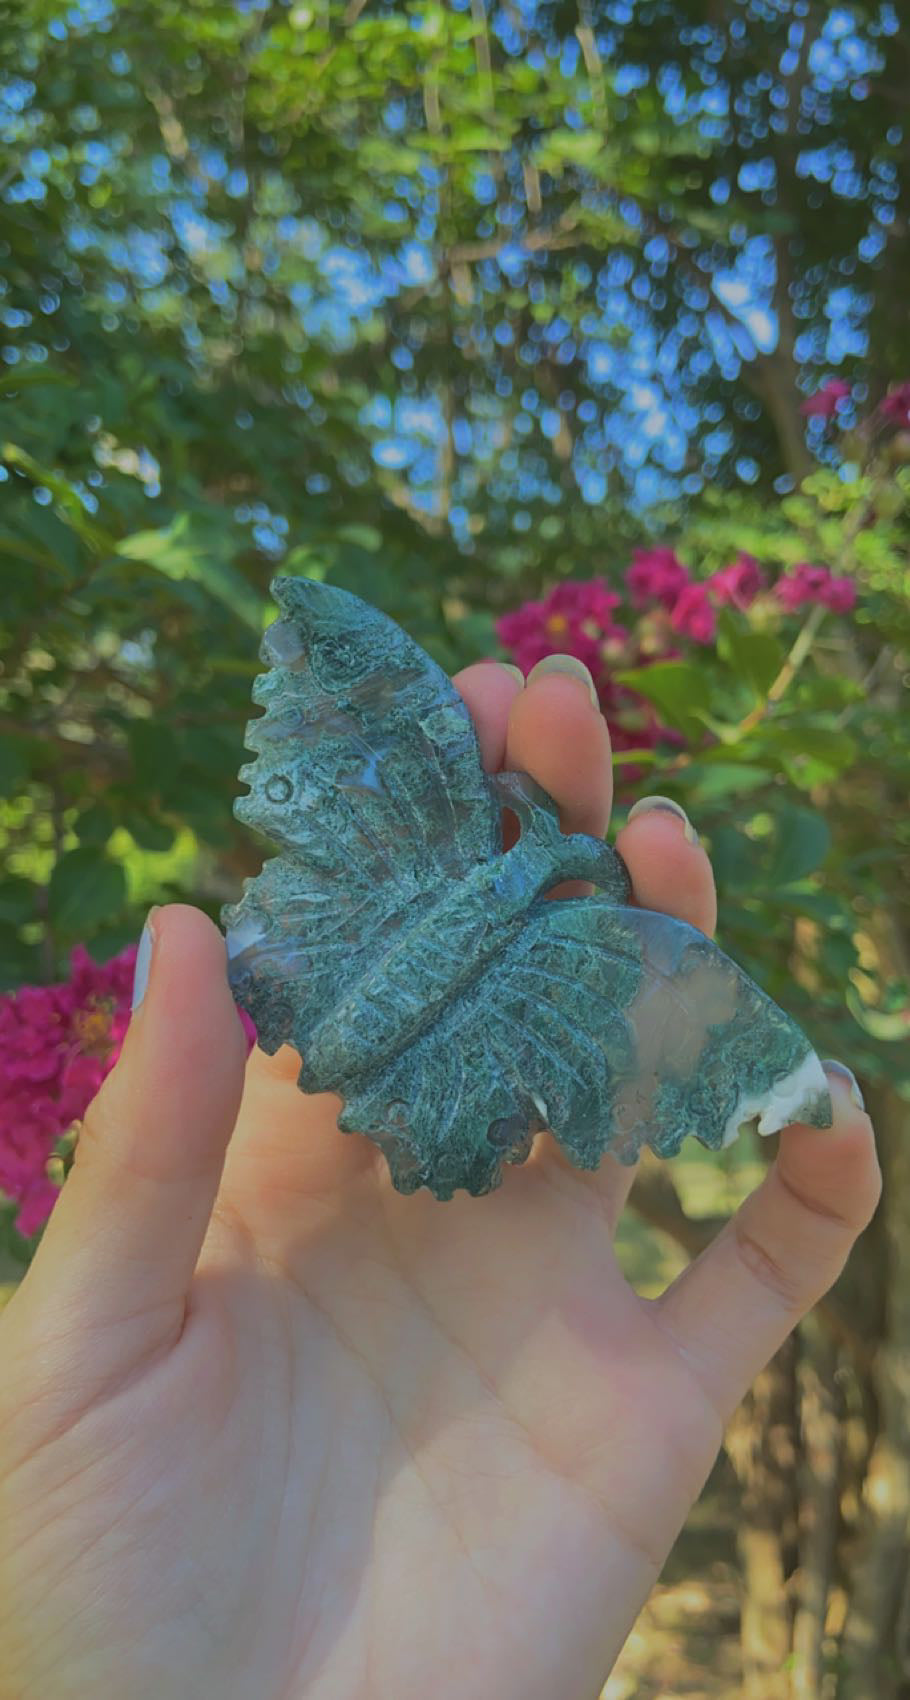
(805, 584)
(826, 400)
(57, 1044)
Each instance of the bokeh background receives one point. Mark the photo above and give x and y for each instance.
(544, 325)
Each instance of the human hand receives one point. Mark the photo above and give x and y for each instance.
(269, 1430)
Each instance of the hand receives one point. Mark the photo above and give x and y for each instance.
(270, 1431)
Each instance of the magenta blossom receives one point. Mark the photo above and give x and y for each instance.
(656, 575)
(739, 583)
(896, 405)
(576, 618)
(824, 403)
(57, 1044)
(807, 584)
(693, 614)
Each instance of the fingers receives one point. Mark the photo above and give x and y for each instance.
(669, 870)
(557, 734)
(489, 689)
(737, 1302)
(125, 1235)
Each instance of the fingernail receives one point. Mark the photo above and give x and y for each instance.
(646, 804)
(848, 1077)
(144, 958)
(568, 665)
(516, 672)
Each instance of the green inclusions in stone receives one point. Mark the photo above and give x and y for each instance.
(423, 974)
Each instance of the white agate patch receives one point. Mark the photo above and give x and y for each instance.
(781, 1106)
(239, 938)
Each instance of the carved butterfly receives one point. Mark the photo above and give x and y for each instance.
(422, 973)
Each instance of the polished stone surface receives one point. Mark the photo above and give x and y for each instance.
(423, 974)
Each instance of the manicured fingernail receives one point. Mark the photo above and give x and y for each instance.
(646, 804)
(571, 667)
(144, 958)
(848, 1077)
(516, 672)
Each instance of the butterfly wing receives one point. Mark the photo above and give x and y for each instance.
(368, 777)
(613, 1027)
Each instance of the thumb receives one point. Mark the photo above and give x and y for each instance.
(731, 1309)
(124, 1237)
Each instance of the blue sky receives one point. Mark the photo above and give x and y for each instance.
(647, 423)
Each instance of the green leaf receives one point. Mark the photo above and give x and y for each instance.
(717, 780)
(734, 858)
(828, 745)
(801, 841)
(13, 765)
(148, 831)
(17, 900)
(156, 753)
(177, 554)
(70, 505)
(478, 138)
(19, 965)
(29, 377)
(109, 941)
(679, 689)
(95, 825)
(85, 890)
(755, 657)
(363, 536)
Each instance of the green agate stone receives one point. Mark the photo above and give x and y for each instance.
(423, 974)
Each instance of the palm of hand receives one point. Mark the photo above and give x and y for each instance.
(382, 1444)
(381, 1447)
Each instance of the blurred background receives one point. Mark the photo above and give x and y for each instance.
(544, 325)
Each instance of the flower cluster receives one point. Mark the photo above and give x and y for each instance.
(895, 407)
(658, 575)
(739, 583)
(669, 606)
(575, 619)
(57, 1043)
(825, 402)
(805, 584)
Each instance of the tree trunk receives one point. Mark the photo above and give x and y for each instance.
(762, 1446)
(822, 1431)
(876, 1648)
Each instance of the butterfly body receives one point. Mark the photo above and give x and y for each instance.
(422, 972)
(435, 958)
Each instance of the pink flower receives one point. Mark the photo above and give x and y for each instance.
(810, 584)
(656, 575)
(57, 1044)
(840, 595)
(35, 1206)
(739, 583)
(693, 614)
(896, 405)
(824, 403)
(576, 618)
